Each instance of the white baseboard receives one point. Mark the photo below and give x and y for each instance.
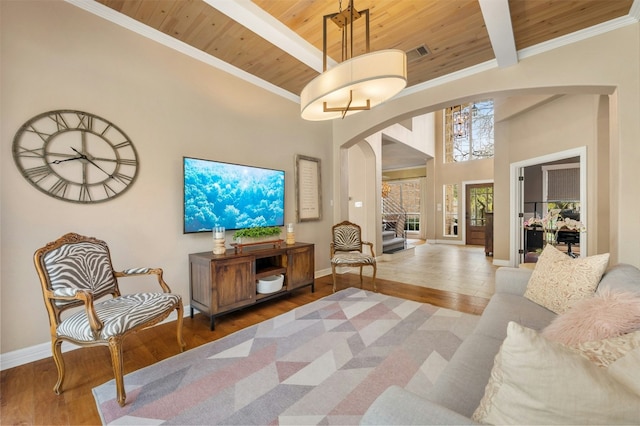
(27, 355)
(322, 273)
(43, 350)
(502, 262)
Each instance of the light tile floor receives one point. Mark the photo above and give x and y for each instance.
(461, 269)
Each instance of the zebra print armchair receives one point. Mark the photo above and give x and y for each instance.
(346, 250)
(76, 271)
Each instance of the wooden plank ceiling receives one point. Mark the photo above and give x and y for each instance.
(453, 31)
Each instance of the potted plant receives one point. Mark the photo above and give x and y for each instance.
(256, 233)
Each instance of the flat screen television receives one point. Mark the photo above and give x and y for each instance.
(235, 196)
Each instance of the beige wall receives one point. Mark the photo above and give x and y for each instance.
(56, 56)
(571, 69)
(362, 183)
(544, 130)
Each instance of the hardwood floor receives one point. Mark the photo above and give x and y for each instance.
(26, 391)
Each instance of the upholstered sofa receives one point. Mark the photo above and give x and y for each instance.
(460, 388)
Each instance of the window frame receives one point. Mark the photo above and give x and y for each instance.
(458, 128)
(450, 211)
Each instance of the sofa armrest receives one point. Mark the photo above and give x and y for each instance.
(396, 406)
(512, 280)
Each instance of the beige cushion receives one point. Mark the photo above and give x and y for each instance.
(559, 280)
(537, 381)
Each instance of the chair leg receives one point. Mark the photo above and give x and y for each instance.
(180, 312)
(56, 350)
(360, 276)
(374, 278)
(115, 347)
(333, 272)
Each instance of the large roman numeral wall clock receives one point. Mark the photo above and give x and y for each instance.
(75, 156)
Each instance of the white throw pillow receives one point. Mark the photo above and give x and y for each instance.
(537, 381)
(559, 280)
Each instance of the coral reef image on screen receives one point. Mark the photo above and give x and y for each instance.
(231, 195)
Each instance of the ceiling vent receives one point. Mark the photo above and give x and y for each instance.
(417, 53)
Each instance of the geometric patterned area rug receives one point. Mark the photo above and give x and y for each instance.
(321, 363)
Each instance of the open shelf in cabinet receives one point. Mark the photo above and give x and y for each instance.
(270, 265)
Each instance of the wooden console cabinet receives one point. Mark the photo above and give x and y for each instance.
(221, 283)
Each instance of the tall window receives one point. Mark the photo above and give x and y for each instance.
(468, 132)
(450, 210)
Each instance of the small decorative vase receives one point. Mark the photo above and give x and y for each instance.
(291, 235)
(219, 240)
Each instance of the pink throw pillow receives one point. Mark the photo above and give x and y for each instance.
(607, 314)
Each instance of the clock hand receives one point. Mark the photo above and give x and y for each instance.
(68, 159)
(105, 172)
(84, 157)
